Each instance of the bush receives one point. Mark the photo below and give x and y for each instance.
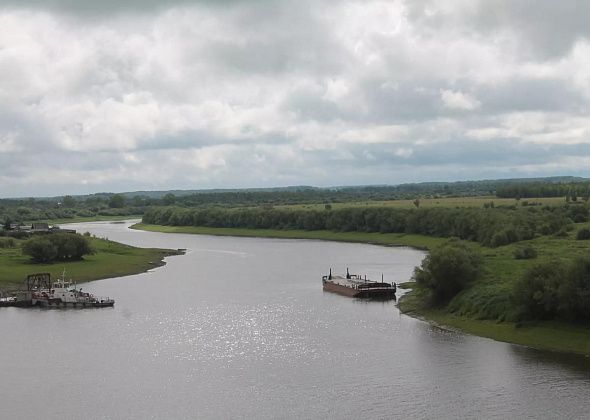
(57, 247)
(562, 233)
(448, 269)
(41, 249)
(536, 292)
(7, 243)
(583, 234)
(525, 253)
(554, 290)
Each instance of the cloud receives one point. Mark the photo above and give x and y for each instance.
(459, 100)
(198, 94)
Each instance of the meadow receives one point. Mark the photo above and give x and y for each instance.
(111, 259)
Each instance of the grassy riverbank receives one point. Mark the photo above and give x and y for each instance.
(111, 259)
(87, 219)
(481, 309)
(552, 336)
(387, 239)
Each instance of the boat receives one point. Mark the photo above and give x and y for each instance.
(8, 301)
(64, 294)
(353, 285)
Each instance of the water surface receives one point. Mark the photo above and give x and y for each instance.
(240, 328)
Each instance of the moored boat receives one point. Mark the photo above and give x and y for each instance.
(353, 285)
(64, 294)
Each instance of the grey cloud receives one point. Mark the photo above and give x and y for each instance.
(466, 153)
(546, 28)
(92, 7)
(409, 101)
(269, 93)
(531, 95)
(308, 104)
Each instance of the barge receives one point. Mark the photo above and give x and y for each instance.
(353, 285)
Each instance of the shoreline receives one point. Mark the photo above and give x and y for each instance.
(112, 259)
(547, 336)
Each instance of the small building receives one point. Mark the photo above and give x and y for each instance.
(39, 228)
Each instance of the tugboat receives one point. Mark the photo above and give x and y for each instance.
(353, 285)
(7, 300)
(63, 294)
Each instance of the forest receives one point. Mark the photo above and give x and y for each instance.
(488, 226)
(18, 210)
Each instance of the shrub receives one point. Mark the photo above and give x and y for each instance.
(448, 269)
(40, 249)
(525, 253)
(562, 233)
(7, 243)
(536, 291)
(57, 247)
(583, 234)
(555, 290)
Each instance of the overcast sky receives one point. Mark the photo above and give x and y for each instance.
(144, 94)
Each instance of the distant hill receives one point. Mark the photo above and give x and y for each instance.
(456, 188)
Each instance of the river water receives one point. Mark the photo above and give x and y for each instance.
(240, 328)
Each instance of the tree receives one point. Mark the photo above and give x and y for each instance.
(448, 269)
(583, 234)
(117, 201)
(536, 291)
(68, 201)
(40, 249)
(57, 247)
(169, 199)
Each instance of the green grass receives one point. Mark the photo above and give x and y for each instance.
(433, 202)
(486, 309)
(387, 239)
(553, 336)
(112, 259)
(86, 219)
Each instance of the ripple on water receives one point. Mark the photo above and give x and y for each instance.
(233, 334)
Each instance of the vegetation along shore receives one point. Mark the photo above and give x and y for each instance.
(103, 259)
(508, 259)
(505, 294)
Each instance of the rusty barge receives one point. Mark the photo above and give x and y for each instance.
(353, 285)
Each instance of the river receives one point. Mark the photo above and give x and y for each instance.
(240, 328)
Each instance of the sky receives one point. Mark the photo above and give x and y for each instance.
(153, 95)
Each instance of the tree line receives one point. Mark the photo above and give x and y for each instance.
(571, 191)
(488, 226)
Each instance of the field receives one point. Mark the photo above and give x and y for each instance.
(111, 259)
(435, 202)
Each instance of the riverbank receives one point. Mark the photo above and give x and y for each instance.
(551, 336)
(467, 313)
(112, 259)
(386, 239)
(97, 218)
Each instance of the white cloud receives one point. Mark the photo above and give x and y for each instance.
(273, 93)
(459, 100)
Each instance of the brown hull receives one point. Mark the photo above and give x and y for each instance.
(341, 290)
(57, 303)
(359, 293)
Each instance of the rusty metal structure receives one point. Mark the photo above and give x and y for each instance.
(38, 281)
